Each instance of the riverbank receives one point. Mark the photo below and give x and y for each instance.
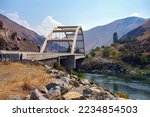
(31, 80)
(112, 68)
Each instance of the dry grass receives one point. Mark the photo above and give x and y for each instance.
(20, 79)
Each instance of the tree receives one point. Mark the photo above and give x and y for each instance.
(1, 24)
(115, 37)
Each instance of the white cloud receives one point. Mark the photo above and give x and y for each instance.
(15, 17)
(47, 24)
(136, 15)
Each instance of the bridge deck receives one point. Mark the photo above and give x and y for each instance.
(42, 56)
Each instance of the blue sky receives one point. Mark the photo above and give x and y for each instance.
(37, 14)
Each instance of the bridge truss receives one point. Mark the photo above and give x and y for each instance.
(64, 39)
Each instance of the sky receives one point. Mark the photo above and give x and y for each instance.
(43, 15)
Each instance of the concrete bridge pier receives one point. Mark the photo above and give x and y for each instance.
(79, 62)
(68, 62)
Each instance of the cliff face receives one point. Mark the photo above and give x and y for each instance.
(10, 40)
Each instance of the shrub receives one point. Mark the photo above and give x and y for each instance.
(106, 52)
(80, 75)
(93, 53)
(58, 67)
(121, 95)
(114, 53)
(143, 60)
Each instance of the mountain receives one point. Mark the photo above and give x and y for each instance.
(16, 37)
(103, 35)
(21, 31)
(140, 33)
(129, 55)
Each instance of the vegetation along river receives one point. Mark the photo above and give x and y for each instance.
(135, 88)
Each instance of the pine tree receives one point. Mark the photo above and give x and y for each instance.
(115, 37)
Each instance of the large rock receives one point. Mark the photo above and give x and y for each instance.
(74, 83)
(56, 89)
(84, 82)
(79, 89)
(64, 82)
(97, 94)
(37, 95)
(73, 96)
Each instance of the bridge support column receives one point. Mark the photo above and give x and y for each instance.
(68, 62)
(78, 63)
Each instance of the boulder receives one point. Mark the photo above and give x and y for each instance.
(43, 89)
(54, 93)
(74, 76)
(84, 82)
(87, 92)
(56, 89)
(37, 95)
(74, 83)
(104, 96)
(79, 89)
(64, 83)
(73, 96)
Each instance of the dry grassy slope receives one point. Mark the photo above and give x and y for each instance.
(115, 48)
(20, 79)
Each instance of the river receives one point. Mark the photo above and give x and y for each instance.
(135, 88)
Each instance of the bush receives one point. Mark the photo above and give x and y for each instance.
(106, 52)
(121, 95)
(93, 53)
(79, 75)
(143, 60)
(114, 53)
(58, 67)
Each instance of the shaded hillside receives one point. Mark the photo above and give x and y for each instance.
(102, 35)
(141, 33)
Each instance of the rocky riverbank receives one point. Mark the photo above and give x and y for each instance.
(99, 67)
(112, 67)
(70, 87)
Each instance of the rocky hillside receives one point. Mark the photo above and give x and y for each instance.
(31, 80)
(10, 40)
(21, 31)
(103, 35)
